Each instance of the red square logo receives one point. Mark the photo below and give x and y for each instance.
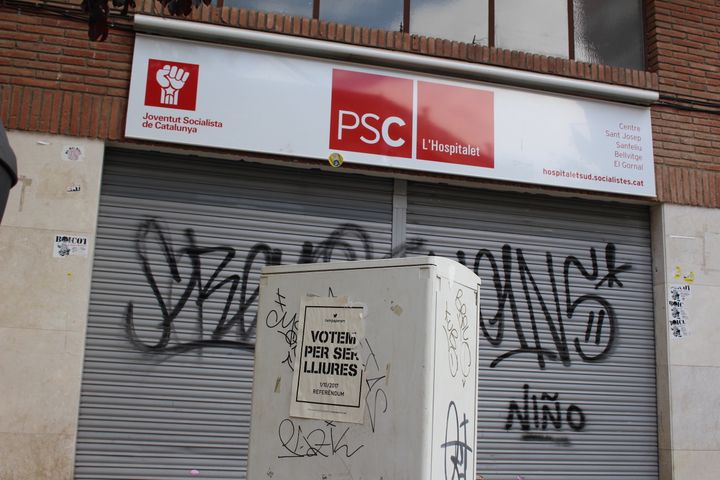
(455, 125)
(371, 113)
(171, 84)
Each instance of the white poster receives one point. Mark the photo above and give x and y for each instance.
(678, 317)
(70, 245)
(328, 373)
(234, 98)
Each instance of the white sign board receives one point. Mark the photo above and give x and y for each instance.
(233, 98)
(328, 373)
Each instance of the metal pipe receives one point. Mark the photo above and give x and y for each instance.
(376, 56)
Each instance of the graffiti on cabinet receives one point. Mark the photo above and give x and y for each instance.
(326, 440)
(456, 447)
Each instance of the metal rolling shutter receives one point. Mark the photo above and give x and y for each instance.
(566, 417)
(167, 393)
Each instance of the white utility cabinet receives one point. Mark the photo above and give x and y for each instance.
(366, 370)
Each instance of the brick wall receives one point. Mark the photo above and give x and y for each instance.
(54, 80)
(685, 53)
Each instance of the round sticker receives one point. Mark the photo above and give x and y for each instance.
(335, 159)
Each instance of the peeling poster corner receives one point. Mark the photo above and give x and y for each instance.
(678, 318)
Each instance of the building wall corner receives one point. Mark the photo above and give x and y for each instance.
(43, 315)
(686, 278)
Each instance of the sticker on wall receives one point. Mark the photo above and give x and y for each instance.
(72, 188)
(335, 159)
(69, 246)
(688, 278)
(73, 153)
(328, 374)
(678, 298)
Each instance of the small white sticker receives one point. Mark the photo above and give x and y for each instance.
(73, 153)
(70, 245)
(73, 188)
(678, 297)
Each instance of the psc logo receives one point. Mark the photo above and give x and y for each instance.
(371, 113)
(171, 84)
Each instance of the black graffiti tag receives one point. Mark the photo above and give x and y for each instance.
(185, 278)
(324, 441)
(199, 287)
(455, 445)
(376, 400)
(538, 414)
(601, 322)
(194, 274)
(286, 325)
(456, 326)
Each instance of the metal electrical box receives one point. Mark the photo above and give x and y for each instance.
(366, 370)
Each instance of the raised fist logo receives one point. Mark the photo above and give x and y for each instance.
(171, 80)
(171, 84)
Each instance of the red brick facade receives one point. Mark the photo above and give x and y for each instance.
(684, 49)
(54, 80)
